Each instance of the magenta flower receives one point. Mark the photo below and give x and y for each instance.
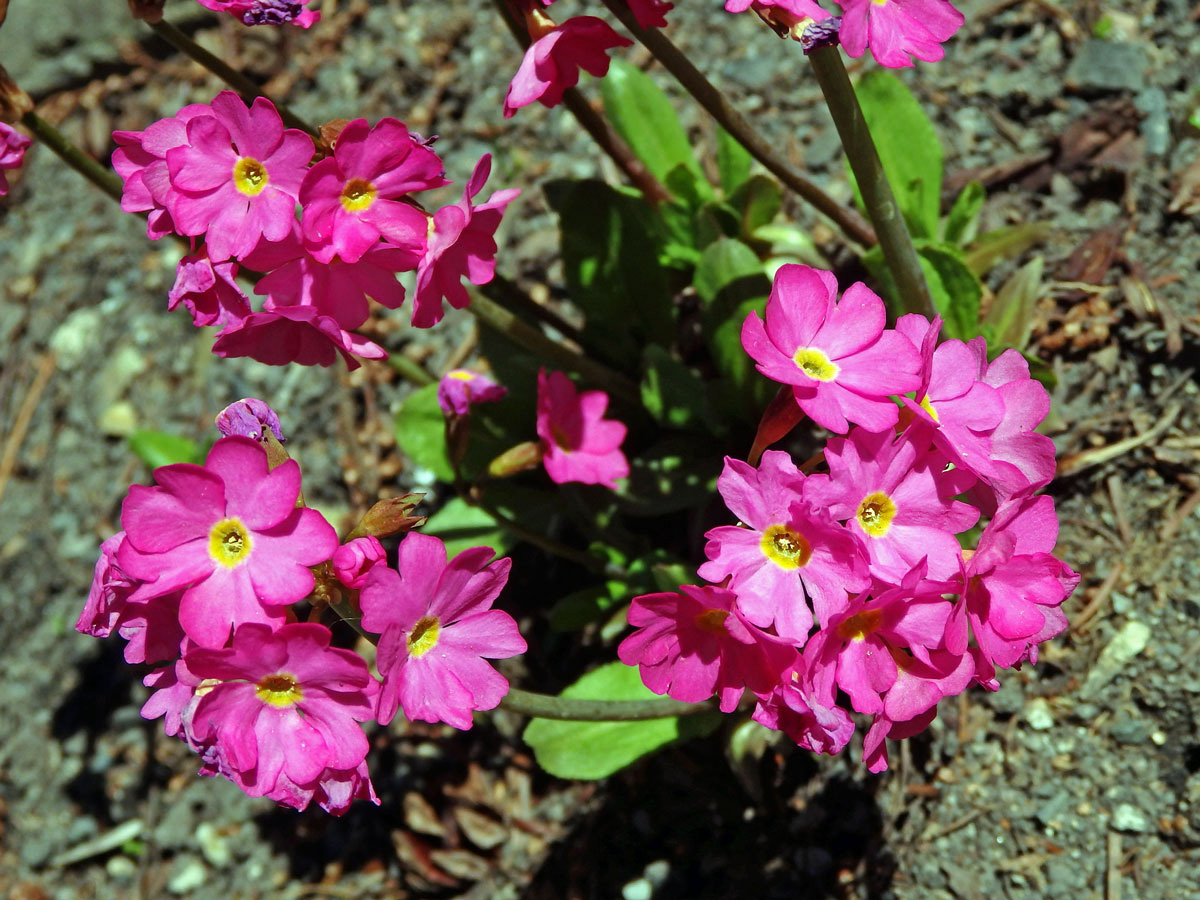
(141, 161)
(789, 18)
(650, 13)
(841, 363)
(898, 31)
(695, 643)
(265, 12)
(249, 417)
(353, 561)
(794, 708)
(229, 534)
(461, 243)
(209, 292)
(558, 52)
(790, 554)
(437, 628)
(282, 705)
(237, 178)
(351, 198)
(298, 334)
(895, 495)
(1022, 459)
(579, 443)
(13, 145)
(459, 388)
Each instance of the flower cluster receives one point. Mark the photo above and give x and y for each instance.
(13, 145)
(232, 177)
(203, 582)
(265, 12)
(852, 582)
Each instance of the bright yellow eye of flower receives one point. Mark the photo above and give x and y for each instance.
(815, 364)
(927, 405)
(875, 513)
(279, 689)
(250, 176)
(859, 627)
(424, 636)
(357, 195)
(785, 547)
(229, 543)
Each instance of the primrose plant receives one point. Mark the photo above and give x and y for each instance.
(704, 351)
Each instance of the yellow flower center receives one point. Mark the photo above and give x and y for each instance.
(250, 176)
(229, 543)
(279, 689)
(712, 620)
(875, 513)
(927, 405)
(357, 195)
(786, 548)
(424, 636)
(815, 364)
(461, 375)
(858, 627)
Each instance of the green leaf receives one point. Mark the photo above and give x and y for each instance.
(908, 148)
(956, 291)
(421, 432)
(1003, 243)
(157, 448)
(759, 201)
(963, 221)
(592, 750)
(1010, 317)
(463, 526)
(675, 395)
(668, 477)
(611, 243)
(733, 162)
(644, 117)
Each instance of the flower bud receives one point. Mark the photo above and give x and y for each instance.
(147, 10)
(14, 102)
(354, 559)
(526, 455)
(248, 417)
(388, 517)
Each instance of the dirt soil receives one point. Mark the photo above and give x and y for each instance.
(1080, 778)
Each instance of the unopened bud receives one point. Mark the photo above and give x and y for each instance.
(249, 417)
(388, 517)
(14, 102)
(527, 455)
(147, 10)
(354, 559)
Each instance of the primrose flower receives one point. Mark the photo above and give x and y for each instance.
(580, 444)
(265, 12)
(237, 178)
(793, 708)
(13, 145)
(558, 52)
(208, 291)
(229, 535)
(437, 628)
(249, 417)
(461, 243)
(790, 554)
(898, 31)
(298, 334)
(281, 709)
(459, 388)
(789, 18)
(694, 643)
(840, 361)
(353, 561)
(650, 13)
(351, 198)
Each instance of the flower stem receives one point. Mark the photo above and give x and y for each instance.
(877, 195)
(231, 76)
(546, 706)
(410, 370)
(105, 179)
(732, 121)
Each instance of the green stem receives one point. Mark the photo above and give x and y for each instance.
(498, 318)
(506, 292)
(410, 370)
(731, 120)
(231, 76)
(894, 239)
(551, 546)
(101, 176)
(545, 706)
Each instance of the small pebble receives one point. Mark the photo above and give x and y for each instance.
(189, 874)
(1127, 817)
(657, 872)
(638, 889)
(120, 868)
(213, 845)
(1038, 714)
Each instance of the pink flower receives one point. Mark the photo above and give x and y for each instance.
(787, 17)
(298, 334)
(353, 561)
(650, 13)
(790, 554)
(265, 12)
(897, 31)
(281, 709)
(459, 388)
(841, 363)
(229, 534)
(1023, 460)
(461, 243)
(558, 52)
(350, 199)
(249, 417)
(237, 178)
(209, 292)
(692, 644)
(436, 628)
(897, 498)
(794, 708)
(13, 145)
(579, 443)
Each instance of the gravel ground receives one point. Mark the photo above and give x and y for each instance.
(1080, 778)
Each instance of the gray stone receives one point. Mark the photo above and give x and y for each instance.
(1156, 127)
(1108, 66)
(1127, 817)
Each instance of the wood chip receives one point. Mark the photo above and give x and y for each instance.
(481, 830)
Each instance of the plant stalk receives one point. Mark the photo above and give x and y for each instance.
(546, 706)
(105, 179)
(703, 91)
(894, 239)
